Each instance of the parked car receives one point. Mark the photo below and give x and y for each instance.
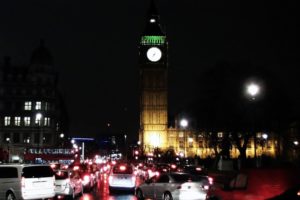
(21, 181)
(176, 186)
(122, 177)
(68, 183)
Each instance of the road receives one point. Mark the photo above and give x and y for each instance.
(263, 184)
(102, 192)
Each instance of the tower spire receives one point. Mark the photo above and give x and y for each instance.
(152, 9)
(153, 26)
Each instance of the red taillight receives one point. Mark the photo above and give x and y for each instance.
(210, 180)
(298, 193)
(173, 166)
(198, 169)
(122, 168)
(206, 187)
(113, 162)
(157, 174)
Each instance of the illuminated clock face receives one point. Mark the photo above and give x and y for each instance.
(154, 54)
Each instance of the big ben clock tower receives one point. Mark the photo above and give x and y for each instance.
(153, 63)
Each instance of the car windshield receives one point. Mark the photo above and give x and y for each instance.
(122, 169)
(60, 175)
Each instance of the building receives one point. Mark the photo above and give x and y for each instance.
(153, 61)
(154, 131)
(32, 112)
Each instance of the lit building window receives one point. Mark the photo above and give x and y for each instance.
(26, 138)
(38, 105)
(38, 119)
(47, 106)
(47, 121)
(181, 143)
(6, 121)
(220, 134)
(201, 144)
(191, 142)
(27, 121)
(17, 121)
(27, 105)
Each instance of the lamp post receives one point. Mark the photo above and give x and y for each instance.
(62, 136)
(8, 149)
(183, 124)
(253, 90)
(265, 137)
(38, 121)
(125, 142)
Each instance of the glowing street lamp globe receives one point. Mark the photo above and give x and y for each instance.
(265, 136)
(184, 123)
(253, 89)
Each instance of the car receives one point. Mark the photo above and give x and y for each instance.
(25, 181)
(200, 173)
(122, 177)
(176, 186)
(68, 183)
(89, 180)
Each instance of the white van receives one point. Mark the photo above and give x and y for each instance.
(22, 181)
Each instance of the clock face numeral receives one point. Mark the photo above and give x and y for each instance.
(154, 54)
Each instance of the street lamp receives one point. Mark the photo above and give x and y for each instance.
(8, 149)
(184, 123)
(253, 90)
(61, 136)
(38, 121)
(265, 136)
(125, 137)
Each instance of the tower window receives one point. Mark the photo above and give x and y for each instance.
(17, 121)
(6, 121)
(27, 121)
(27, 105)
(38, 105)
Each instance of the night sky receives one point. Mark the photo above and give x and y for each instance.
(95, 50)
